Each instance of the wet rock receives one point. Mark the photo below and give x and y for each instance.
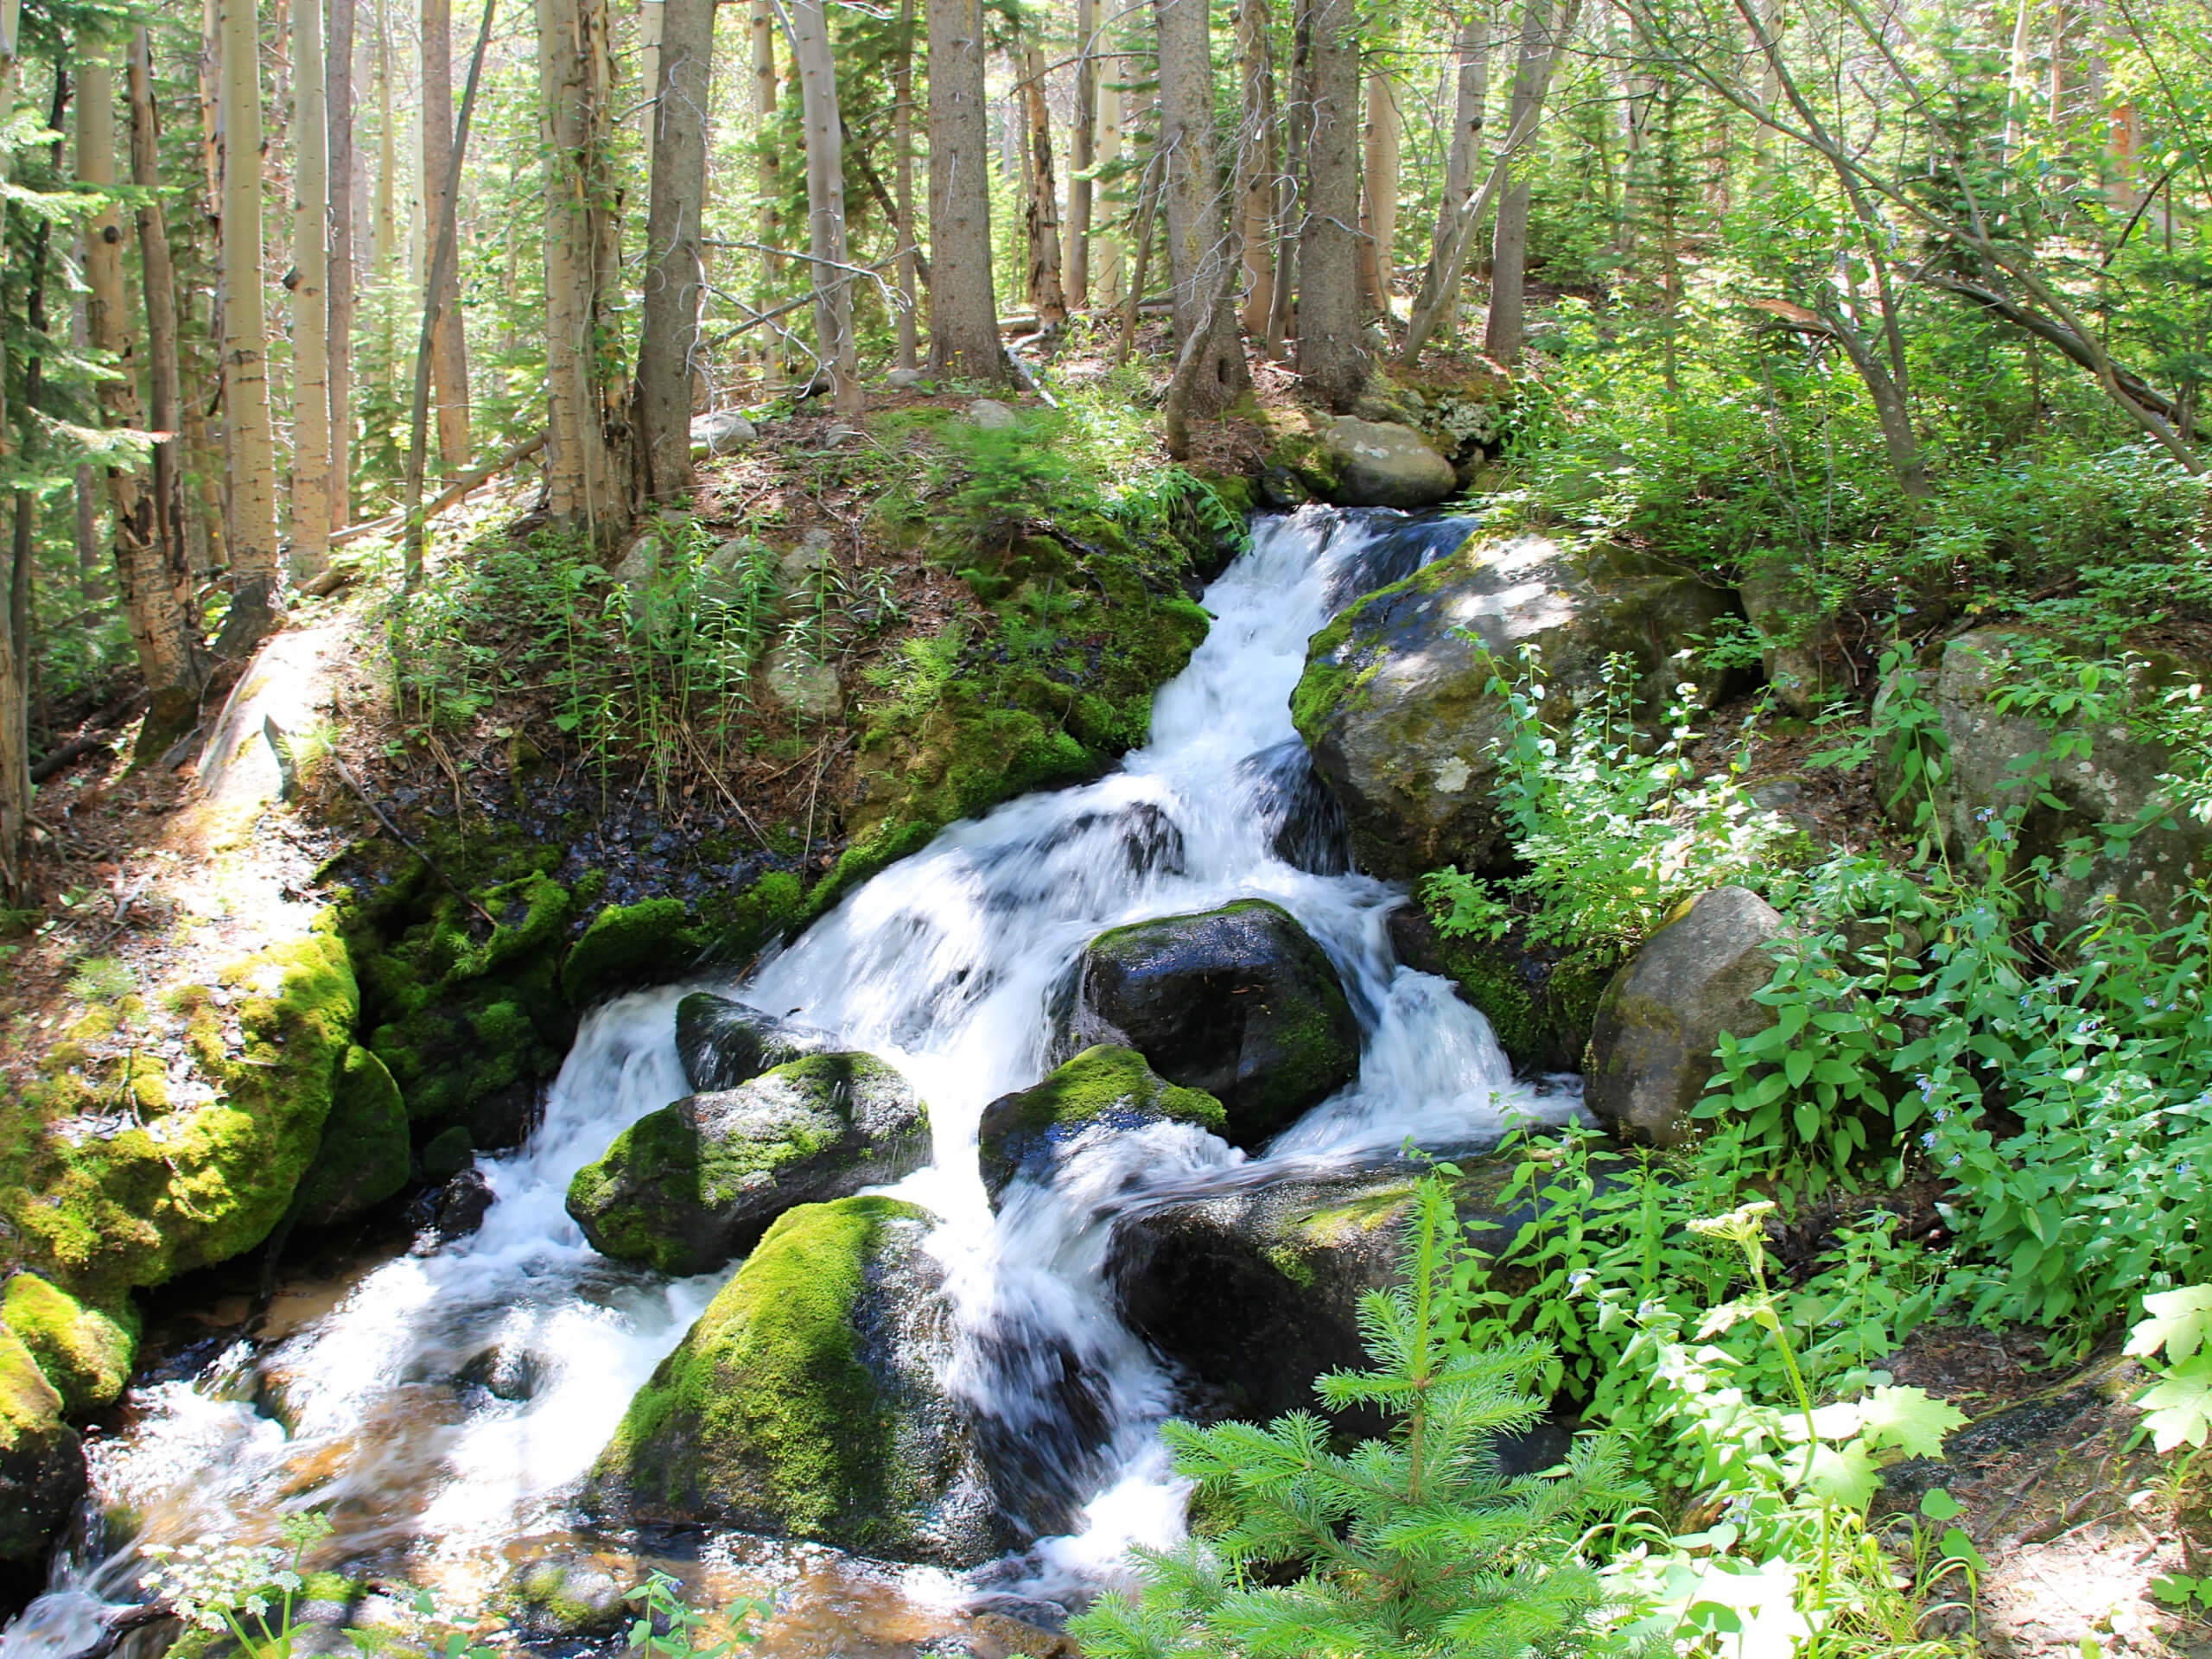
(999, 1636)
(1662, 1017)
(452, 1211)
(364, 1157)
(85, 1353)
(801, 683)
(446, 1154)
(1384, 464)
(1102, 1090)
(506, 1372)
(720, 433)
(723, 1042)
(42, 1460)
(688, 1187)
(1303, 824)
(1395, 702)
(806, 1401)
(1539, 1001)
(1238, 1002)
(2114, 783)
(556, 1598)
(1256, 1293)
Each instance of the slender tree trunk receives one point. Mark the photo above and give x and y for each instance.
(825, 200)
(311, 514)
(103, 313)
(338, 92)
(1104, 249)
(902, 140)
(653, 34)
(1081, 153)
(383, 242)
(578, 476)
(768, 166)
(1379, 219)
(673, 274)
(256, 580)
(1439, 285)
(1332, 357)
(1198, 235)
(1290, 199)
(1540, 32)
(963, 310)
(450, 349)
(1255, 183)
(1042, 218)
(152, 570)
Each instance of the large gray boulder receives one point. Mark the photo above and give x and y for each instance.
(687, 1188)
(1238, 1001)
(1255, 1292)
(1382, 464)
(2114, 783)
(807, 1402)
(1395, 702)
(1103, 1090)
(722, 1042)
(1660, 1019)
(1795, 622)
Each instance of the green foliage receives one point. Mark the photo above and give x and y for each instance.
(1414, 1546)
(2180, 1403)
(668, 1627)
(1611, 833)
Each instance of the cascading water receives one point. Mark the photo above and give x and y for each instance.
(452, 1400)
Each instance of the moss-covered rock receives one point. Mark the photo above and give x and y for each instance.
(85, 1353)
(1103, 1087)
(1540, 1001)
(184, 1189)
(42, 1460)
(806, 1403)
(1396, 705)
(625, 944)
(723, 1042)
(1238, 1001)
(686, 1188)
(446, 1154)
(363, 1159)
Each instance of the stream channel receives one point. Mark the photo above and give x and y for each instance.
(442, 1407)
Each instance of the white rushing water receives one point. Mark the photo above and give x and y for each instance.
(453, 1398)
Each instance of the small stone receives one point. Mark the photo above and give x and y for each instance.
(990, 414)
(799, 683)
(840, 436)
(816, 549)
(720, 433)
(903, 379)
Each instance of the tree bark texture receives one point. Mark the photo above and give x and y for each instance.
(578, 476)
(256, 582)
(1506, 327)
(448, 347)
(825, 200)
(1332, 356)
(338, 93)
(310, 519)
(674, 277)
(963, 311)
(902, 140)
(1198, 236)
(769, 178)
(1042, 218)
(1380, 187)
(1081, 153)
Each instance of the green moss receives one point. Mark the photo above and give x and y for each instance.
(737, 925)
(626, 942)
(99, 1215)
(1105, 1079)
(363, 1159)
(447, 1153)
(85, 1353)
(1292, 1265)
(39, 1455)
(765, 1410)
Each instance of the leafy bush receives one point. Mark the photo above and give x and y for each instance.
(1414, 1546)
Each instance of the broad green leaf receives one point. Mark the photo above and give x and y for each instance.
(2180, 1405)
(1843, 1474)
(1958, 1546)
(1911, 1419)
(1939, 1505)
(2178, 1322)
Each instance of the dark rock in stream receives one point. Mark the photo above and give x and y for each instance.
(452, 1211)
(1238, 1001)
(808, 1402)
(42, 1460)
(1102, 1090)
(1304, 825)
(692, 1185)
(723, 1042)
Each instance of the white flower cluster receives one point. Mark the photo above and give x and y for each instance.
(207, 1584)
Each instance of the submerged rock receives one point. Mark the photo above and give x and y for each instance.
(723, 1042)
(1660, 1020)
(1238, 1001)
(1382, 464)
(806, 1401)
(1256, 1293)
(42, 1460)
(1395, 702)
(1304, 825)
(1023, 1134)
(1539, 1000)
(686, 1188)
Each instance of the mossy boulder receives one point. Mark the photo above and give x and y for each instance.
(1238, 1002)
(687, 1188)
(100, 1213)
(85, 1353)
(628, 944)
(42, 1460)
(1539, 1000)
(1255, 1292)
(1396, 705)
(1104, 1090)
(806, 1401)
(723, 1042)
(553, 1600)
(363, 1159)
(1384, 464)
(1652, 1043)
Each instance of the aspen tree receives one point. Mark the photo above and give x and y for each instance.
(1332, 357)
(1200, 234)
(310, 519)
(448, 345)
(338, 93)
(808, 22)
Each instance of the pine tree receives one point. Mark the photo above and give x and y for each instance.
(1417, 1546)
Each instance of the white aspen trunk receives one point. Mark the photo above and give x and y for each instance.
(825, 200)
(257, 579)
(311, 300)
(449, 340)
(1083, 137)
(770, 183)
(902, 143)
(1043, 215)
(338, 93)
(15, 709)
(652, 29)
(1381, 181)
(1106, 250)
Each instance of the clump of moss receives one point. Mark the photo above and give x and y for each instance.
(101, 1214)
(627, 942)
(363, 1159)
(1105, 1084)
(42, 1463)
(447, 1153)
(85, 1352)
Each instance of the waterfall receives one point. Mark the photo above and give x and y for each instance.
(452, 1400)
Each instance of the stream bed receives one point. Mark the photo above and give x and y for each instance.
(442, 1407)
